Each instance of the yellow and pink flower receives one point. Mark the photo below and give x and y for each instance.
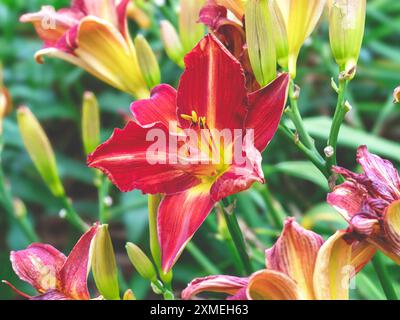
(92, 34)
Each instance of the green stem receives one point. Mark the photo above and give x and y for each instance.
(294, 114)
(72, 216)
(237, 236)
(103, 190)
(384, 278)
(315, 158)
(202, 259)
(337, 122)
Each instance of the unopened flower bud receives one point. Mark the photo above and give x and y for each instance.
(129, 295)
(138, 15)
(90, 122)
(148, 62)
(190, 30)
(346, 31)
(172, 43)
(141, 262)
(39, 149)
(104, 266)
(260, 41)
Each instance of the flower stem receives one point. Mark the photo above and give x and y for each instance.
(236, 234)
(103, 190)
(277, 217)
(384, 278)
(315, 158)
(337, 122)
(294, 114)
(72, 216)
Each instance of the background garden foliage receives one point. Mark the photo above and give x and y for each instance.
(54, 93)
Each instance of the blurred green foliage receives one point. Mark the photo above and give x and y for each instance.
(54, 93)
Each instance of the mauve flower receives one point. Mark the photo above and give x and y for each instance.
(94, 35)
(370, 202)
(54, 276)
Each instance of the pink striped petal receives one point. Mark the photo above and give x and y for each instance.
(294, 254)
(233, 286)
(39, 265)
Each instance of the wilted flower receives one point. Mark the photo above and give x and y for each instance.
(346, 31)
(92, 34)
(230, 31)
(299, 266)
(53, 275)
(211, 97)
(370, 202)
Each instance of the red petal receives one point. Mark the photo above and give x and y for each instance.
(265, 110)
(161, 107)
(39, 265)
(179, 217)
(125, 159)
(381, 172)
(222, 284)
(347, 198)
(73, 275)
(240, 177)
(213, 85)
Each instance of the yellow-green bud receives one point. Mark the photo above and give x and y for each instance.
(172, 43)
(141, 262)
(260, 41)
(190, 30)
(148, 62)
(39, 149)
(90, 122)
(346, 31)
(104, 266)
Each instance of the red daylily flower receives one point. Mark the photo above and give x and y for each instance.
(53, 275)
(370, 202)
(94, 35)
(211, 96)
(299, 266)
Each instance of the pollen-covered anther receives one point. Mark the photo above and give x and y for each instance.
(195, 119)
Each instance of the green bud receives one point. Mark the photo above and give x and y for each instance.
(104, 266)
(90, 122)
(141, 262)
(172, 43)
(147, 62)
(190, 30)
(39, 149)
(346, 31)
(260, 41)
